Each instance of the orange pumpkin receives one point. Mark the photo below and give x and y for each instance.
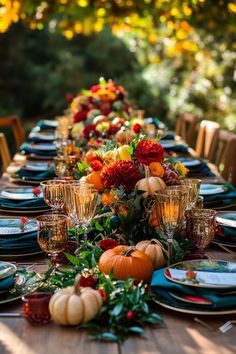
(95, 179)
(124, 262)
(90, 155)
(156, 169)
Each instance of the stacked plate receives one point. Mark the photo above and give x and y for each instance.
(226, 228)
(18, 239)
(34, 173)
(218, 196)
(197, 168)
(21, 201)
(206, 287)
(40, 151)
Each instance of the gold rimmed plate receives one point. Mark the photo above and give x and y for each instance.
(212, 274)
(191, 310)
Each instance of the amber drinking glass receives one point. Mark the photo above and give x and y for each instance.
(170, 205)
(200, 229)
(36, 307)
(52, 232)
(66, 166)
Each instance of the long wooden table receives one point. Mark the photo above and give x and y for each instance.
(180, 334)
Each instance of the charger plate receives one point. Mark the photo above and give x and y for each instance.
(212, 274)
(180, 308)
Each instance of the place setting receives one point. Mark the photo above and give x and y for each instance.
(39, 151)
(218, 196)
(22, 200)
(33, 172)
(197, 167)
(226, 229)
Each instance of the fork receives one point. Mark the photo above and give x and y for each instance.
(227, 326)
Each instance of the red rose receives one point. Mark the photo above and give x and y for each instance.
(80, 116)
(24, 219)
(137, 128)
(36, 191)
(108, 244)
(103, 294)
(149, 151)
(96, 164)
(88, 281)
(69, 97)
(90, 130)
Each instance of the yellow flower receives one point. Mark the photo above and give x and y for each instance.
(103, 126)
(111, 156)
(181, 169)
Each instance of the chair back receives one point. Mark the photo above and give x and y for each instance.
(186, 127)
(14, 123)
(205, 136)
(223, 154)
(4, 152)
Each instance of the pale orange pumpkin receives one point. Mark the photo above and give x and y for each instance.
(154, 250)
(124, 136)
(150, 185)
(124, 262)
(74, 305)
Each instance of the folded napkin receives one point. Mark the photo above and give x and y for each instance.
(48, 174)
(36, 139)
(45, 126)
(200, 170)
(28, 150)
(222, 199)
(226, 233)
(168, 136)
(7, 283)
(14, 241)
(34, 203)
(162, 286)
(180, 149)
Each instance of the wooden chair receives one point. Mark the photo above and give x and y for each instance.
(223, 154)
(4, 152)
(14, 123)
(186, 127)
(206, 133)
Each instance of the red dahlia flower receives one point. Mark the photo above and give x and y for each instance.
(108, 244)
(80, 116)
(88, 281)
(149, 151)
(137, 128)
(90, 130)
(96, 164)
(121, 173)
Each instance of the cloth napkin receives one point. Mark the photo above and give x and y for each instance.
(48, 174)
(44, 126)
(28, 150)
(35, 203)
(7, 283)
(162, 286)
(221, 199)
(14, 241)
(226, 233)
(180, 149)
(168, 136)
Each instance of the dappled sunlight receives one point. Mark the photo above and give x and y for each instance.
(11, 343)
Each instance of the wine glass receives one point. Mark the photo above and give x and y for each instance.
(53, 194)
(70, 189)
(52, 232)
(85, 207)
(170, 204)
(194, 192)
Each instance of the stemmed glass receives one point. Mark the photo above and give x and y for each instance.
(52, 233)
(70, 190)
(53, 194)
(65, 166)
(170, 205)
(85, 205)
(194, 185)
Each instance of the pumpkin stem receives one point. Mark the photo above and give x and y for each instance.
(154, 241)
(128, 251)
(147, 172)
(76, 285)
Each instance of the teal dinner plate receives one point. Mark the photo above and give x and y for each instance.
(226, 218)
(211, 189)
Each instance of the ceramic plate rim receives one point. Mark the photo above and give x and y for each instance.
(194, 312)
(16, 218)
(4, 256)
(14, 269)
(227, 222)
(205, 286)
(218, 189)
(189, 301)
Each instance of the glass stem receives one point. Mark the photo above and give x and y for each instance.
(170, 248)
(85, 234)
(77, 234)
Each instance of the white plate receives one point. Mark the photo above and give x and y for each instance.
(168, 144)
(226, 218)
(37, 167)
(43, 147)
(189, 162)
(19, 196)
(42, 136)
(211, 189)
(51, 123)
(11, 226)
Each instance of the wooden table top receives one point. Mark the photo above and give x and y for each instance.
(180, 334)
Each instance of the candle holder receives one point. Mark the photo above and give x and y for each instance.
(200, 229)
(35, 307)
